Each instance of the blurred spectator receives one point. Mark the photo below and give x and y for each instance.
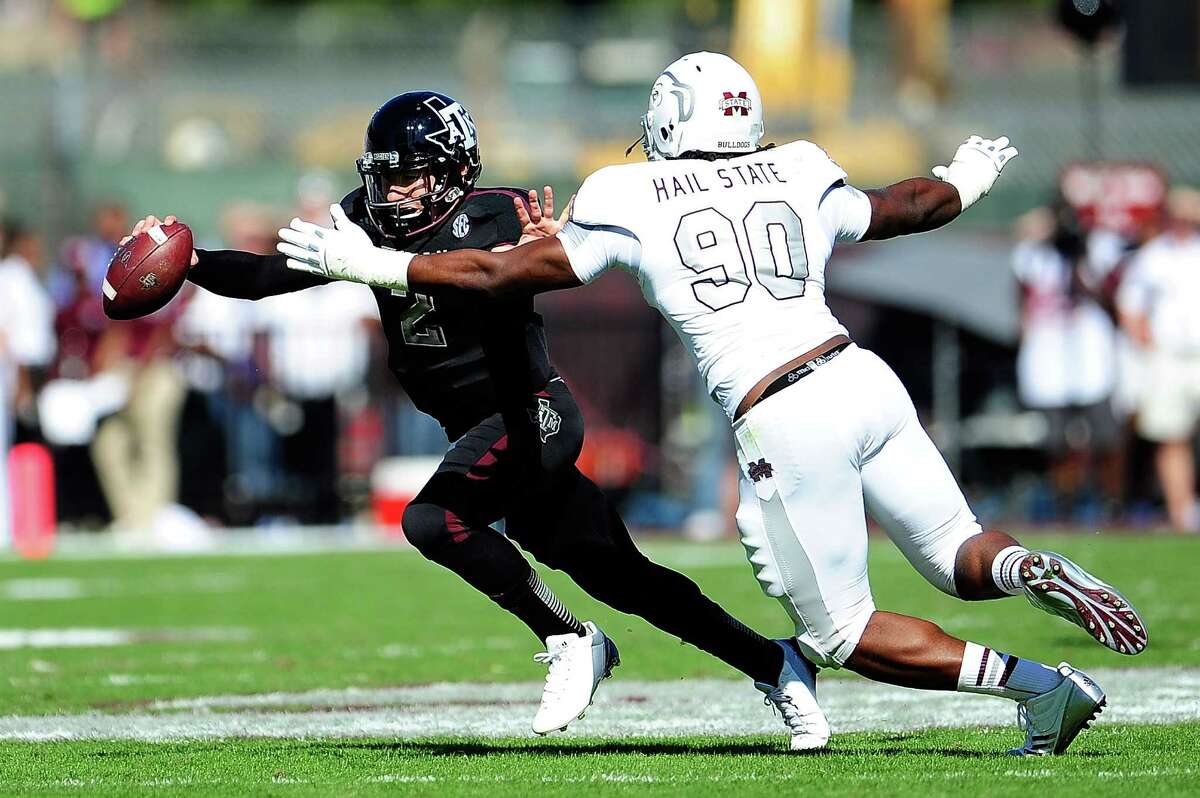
(134, 449)
(1066, 361)
(27, 343)
(315, 192)
(1157, 303)
(318, 352)
(26, 340)
(73, 401)
(86, 258)
(226, 448)
(318, 348)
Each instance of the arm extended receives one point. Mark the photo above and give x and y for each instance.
(915, 205)
(529, 269)
(920, 204)
(244, 275)
(237, 274)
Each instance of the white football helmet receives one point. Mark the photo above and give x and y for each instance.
(703, 102)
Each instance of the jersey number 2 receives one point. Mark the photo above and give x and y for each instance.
(708, 245)
(411, 328)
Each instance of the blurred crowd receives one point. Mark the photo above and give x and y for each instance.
(217, 411)
(1109, 349)
(213, 410)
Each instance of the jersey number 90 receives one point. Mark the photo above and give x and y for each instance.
(708, 245)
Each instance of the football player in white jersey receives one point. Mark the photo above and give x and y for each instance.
(729, 240)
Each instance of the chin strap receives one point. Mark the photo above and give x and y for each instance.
(638, 141)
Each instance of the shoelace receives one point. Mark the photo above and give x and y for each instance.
(1033, 741)
(555, 661)
(792, 716)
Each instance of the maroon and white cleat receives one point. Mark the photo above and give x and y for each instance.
(1055, 584)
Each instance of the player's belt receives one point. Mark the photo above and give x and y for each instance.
(797, 373)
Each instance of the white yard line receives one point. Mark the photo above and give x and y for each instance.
(622, 709)
(84, 637)
(68, 589)
(289, 540)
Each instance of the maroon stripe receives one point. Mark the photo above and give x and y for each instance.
(458, 530)
(487, 459)
(987, 652)
(1009, 667)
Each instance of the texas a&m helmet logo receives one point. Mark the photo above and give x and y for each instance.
(459, 129)
(731, 103)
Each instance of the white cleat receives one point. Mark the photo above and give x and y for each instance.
(1053, 719)
(577, 666)
(795, 697)
(1060, 587)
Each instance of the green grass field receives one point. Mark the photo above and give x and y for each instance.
(309, 674)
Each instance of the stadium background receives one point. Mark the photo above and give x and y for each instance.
(293, 646)
(215, 109)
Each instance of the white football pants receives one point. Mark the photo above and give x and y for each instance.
(842, 440)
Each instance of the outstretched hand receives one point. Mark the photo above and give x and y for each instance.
(325, 251)
(342, 252)
(976, 165)
(538, 221)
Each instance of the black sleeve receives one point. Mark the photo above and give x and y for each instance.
(244, 275)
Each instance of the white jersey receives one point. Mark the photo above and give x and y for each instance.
(732, 252)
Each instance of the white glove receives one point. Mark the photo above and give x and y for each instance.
(975, 167)
(343, 252)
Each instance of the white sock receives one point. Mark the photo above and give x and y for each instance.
(995, 673)
(1006, 569)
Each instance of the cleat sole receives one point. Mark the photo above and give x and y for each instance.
(1056, 585)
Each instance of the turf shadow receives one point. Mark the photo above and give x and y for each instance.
(656, 747)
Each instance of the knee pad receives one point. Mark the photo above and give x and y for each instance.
(428, 527)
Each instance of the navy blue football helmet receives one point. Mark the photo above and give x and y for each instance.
(418, 136)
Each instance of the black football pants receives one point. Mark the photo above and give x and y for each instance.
(520, 466)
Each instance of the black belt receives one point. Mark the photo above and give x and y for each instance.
(799, 373)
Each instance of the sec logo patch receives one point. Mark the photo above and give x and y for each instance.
(461, 226)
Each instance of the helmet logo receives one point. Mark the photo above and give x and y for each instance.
(461, 226)
(459, 129)
(684, 94)
(731, 103)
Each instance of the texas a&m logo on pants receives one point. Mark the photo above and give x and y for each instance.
(731, 102)
(547, 418)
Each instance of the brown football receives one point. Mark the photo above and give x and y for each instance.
(147, 271)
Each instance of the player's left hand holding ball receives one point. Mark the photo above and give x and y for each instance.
(148, 268)
(975, 167)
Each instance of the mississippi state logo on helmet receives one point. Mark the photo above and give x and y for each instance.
(420, 158)
(730, 103)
